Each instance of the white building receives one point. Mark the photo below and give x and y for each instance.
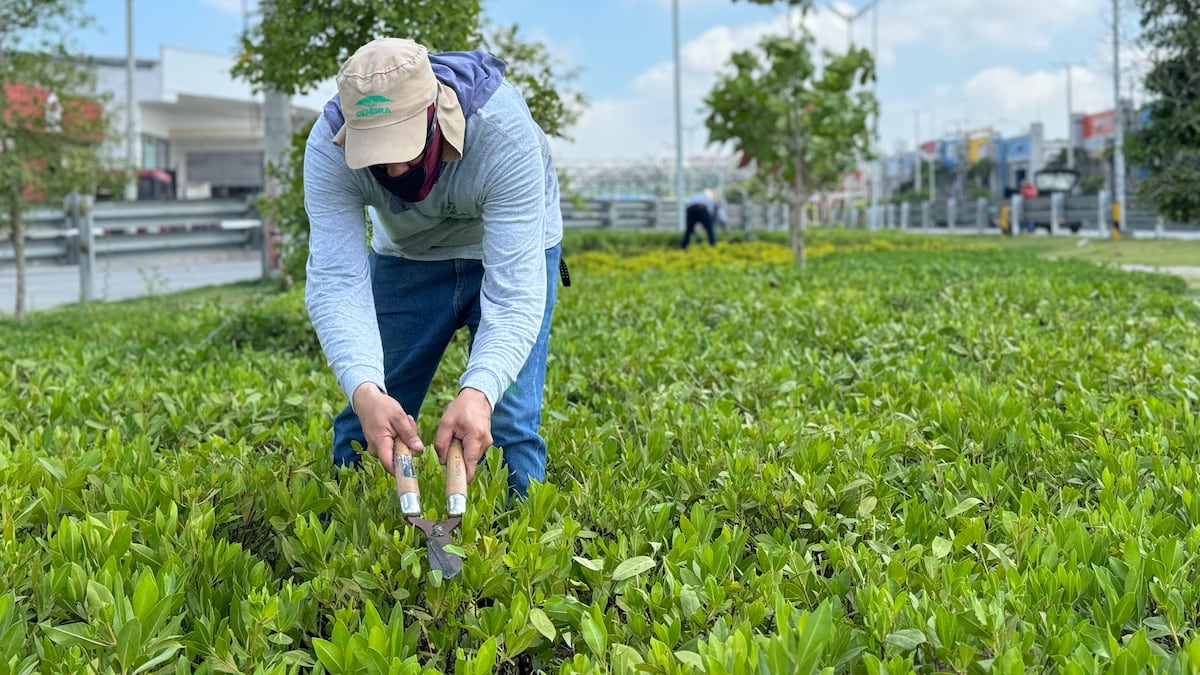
(192, 119)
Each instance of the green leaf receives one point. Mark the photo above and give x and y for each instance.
(963, 506)
(632, 567)
(691, 659)
(53, 467)
(329, 654)
(145, 596)
(941, 547)
(594, 565)
(485, 661)
(689, 601)
(907, 639)
(542, 623)
(74, 635)
(594, 635)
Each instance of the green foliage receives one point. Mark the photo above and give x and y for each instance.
(800, 120)
(1169, 145)
(918, 459)
(51, 119)
(300, 43)
(296, 46)
(51, 146)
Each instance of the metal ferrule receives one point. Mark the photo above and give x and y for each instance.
(456, 505)
(410, 504)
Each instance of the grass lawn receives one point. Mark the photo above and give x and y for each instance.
(1157, 252)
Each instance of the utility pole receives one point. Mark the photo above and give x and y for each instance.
(130, 127)
(1118, 122)
(917, 154)
(679, 213)
(878, 186)
(1070, 124)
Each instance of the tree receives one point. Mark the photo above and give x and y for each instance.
(801, 122)
(51, 123)
(1168, 146)
(296, 46)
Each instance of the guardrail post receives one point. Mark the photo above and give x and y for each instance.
(951, 214)
(1014, 215)
(981, 208)
(905, 215)
(610, 215)
(1056, 211)
(78, 211)
(71, 245)
(1102, 214)
(926, 215)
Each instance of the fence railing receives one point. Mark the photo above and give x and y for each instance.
(112, 228)
(1056, 214)
(57, 235)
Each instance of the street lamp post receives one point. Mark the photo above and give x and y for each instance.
(679, 211)
(1070, 118)
(877, 170)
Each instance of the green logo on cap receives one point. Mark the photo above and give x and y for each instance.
(372, 105)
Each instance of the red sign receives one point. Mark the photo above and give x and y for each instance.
(1100, 125)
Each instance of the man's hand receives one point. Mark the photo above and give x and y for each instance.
(469, 419)
(383, 423)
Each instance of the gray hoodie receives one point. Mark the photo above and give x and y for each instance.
(498, 204)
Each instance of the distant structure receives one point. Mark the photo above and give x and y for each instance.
(648, 178)
(199, 132)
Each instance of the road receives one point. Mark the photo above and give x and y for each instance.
(127, 276)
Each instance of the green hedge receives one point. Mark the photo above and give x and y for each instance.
(892, 461)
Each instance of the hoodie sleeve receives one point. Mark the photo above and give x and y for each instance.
(512, 299)
(338, 291)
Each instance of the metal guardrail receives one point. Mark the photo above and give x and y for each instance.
(53, 235)
(1055, 214)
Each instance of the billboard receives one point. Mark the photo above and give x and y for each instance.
(949, 153)
(1018, 149)
(1097, 129)
(979, 145)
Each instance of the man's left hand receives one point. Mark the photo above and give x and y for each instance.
(469, 419)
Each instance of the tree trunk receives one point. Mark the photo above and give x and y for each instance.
(17, 228)
(796, 220)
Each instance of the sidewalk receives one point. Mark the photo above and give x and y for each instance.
(1187, 272)
(119, 278)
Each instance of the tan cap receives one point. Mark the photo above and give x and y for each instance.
(386, 88)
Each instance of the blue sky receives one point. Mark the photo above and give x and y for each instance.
(946, 65)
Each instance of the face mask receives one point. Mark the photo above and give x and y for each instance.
(416, 183)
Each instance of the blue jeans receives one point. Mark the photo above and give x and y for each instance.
(419, 306)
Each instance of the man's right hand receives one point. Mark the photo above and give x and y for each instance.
(384, 422)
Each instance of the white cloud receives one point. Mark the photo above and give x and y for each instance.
(1002, 97)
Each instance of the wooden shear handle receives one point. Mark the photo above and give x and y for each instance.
(410, 492)
(406, 480)
(456, 479)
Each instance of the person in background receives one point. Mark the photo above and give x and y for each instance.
(458, 180)
(1028, 191)
(702, 209)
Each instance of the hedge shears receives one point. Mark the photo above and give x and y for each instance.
(437, 534)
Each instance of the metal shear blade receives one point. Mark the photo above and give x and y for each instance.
(437, 537)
